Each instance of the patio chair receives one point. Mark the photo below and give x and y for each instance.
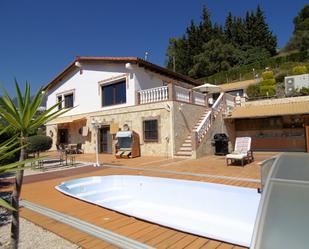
(242, 151)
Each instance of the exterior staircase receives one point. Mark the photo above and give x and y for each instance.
(186, 149)
(202, 126)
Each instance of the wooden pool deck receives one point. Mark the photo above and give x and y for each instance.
(39, 189)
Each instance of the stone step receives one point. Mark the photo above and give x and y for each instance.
(185, 148)
(184, 153)
(187, 144)
(188, 141)
(182, 156)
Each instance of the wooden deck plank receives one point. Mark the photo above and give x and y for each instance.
(183, 242)
(198, 243)
(171, 240)
(156, 240)
(211, 244)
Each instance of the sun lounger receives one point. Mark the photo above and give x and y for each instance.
(242, 151)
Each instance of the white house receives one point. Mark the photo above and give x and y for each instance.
(158, 104)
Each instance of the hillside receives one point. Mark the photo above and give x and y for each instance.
(280, 65)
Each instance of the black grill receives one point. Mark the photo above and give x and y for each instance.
(221, 143)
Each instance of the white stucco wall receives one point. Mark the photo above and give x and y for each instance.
(87, 97)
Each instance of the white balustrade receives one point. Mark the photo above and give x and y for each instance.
(182, 94)
(153, 95)
(203, 127)
(218, 105)
(198, 98)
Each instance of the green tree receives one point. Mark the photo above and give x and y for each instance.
(23, 119)
(300, 38)
(216, 57)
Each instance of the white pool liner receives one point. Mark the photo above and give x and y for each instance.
(211, 210)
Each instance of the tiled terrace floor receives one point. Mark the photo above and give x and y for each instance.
(39, 189)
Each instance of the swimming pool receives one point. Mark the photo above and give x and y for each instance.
(212, 210)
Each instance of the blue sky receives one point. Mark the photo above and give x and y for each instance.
(39, 38)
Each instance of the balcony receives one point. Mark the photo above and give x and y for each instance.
(172, 93)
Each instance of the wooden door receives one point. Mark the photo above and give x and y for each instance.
(105, 140)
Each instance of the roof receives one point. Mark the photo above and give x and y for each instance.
(237, 85)
(135, 60)
(256, 111)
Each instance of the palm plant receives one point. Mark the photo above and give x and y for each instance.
(24, 119)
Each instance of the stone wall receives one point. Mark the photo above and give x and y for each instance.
(219, 125)
(276, 101)
(185, 116)
(133, 117)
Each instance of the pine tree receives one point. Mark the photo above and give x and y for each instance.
(228, 29)
(205, 27)
(300, 38)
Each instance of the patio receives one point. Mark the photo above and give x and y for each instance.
(210, 169)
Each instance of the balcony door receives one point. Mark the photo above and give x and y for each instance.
(105, 140)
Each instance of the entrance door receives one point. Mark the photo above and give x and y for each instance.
(105, 140)
(63, 136)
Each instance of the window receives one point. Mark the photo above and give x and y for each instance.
(59, 100)
(151, 130)
(68, 100)
(114, 94)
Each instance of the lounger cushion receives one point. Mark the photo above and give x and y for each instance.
(236, 156)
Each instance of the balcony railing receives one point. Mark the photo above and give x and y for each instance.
(153, 95)
(171, 92)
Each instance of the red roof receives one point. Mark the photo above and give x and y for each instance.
(135, 60)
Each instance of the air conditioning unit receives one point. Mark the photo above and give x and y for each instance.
(295, 82)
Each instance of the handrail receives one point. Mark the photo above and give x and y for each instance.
(218, 101)
(204, 126)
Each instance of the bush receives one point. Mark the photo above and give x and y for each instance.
(299, 70)
(267, 90)
(267, 75)
(280, 77)
(253, 91)
(38, 143)
(268, 82)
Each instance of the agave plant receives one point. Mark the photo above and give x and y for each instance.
(24, 119)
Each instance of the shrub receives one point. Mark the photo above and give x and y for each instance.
(267, 75)
(304, 91)
(280, 77)
(268, 82)
(38, 143)
(253, 91)
(299, 70)
(267, 90)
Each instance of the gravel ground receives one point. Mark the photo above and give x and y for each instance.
(32, 236)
